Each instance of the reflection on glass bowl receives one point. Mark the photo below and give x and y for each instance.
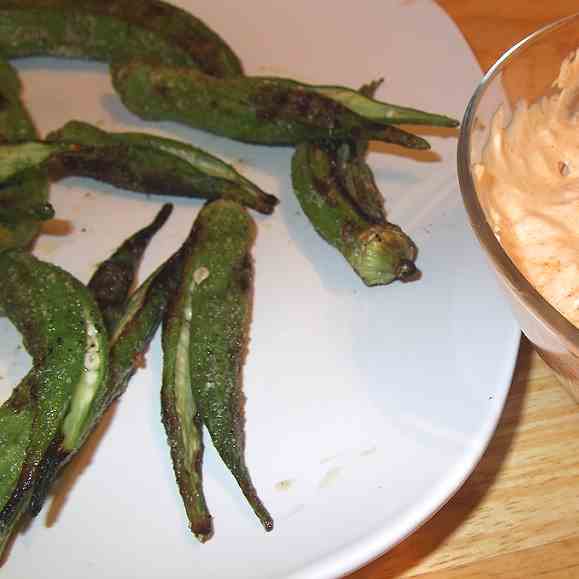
(524, 73)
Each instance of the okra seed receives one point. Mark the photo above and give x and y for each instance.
(200, 275)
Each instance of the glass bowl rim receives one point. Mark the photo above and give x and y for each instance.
(518, 284)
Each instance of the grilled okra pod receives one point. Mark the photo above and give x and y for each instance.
(262, 110)
(64, 333)
(378, 252)
(113, 280)
(113, 30)
(135, 161)
(179, 409)
(20, 200)
(220, 310)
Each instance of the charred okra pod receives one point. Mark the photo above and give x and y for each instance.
(270, 111)
(135, 161)
(64, 333)
(113, 30)
(113, 280)
(179, 409)
(379, 252)
(221, 285)
(23, 203)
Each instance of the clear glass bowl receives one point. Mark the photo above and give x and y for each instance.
(526, 71)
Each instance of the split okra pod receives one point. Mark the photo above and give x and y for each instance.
(205, 333)
(63, 331)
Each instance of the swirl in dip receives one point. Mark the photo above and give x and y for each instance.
(528, 183)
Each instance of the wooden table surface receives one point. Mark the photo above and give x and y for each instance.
(517, 516)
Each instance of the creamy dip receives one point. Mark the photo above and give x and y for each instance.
(528, 182)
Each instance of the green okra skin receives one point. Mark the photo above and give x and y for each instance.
(262, 110)
(63, 331)
(135, 161)
(114, 278)
(113, 30)
(16, 420)
(180, 412)
(17, 199)
(378, 252)
(221, 303)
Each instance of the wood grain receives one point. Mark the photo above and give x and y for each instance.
(517, 516)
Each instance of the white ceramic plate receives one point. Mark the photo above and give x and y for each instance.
(366, 408)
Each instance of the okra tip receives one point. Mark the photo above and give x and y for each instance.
(162, 216)
(262, 514)
(267, 203)
(258, 507)
(441, 121)
(406, 115)
(267, 523)
(406, 270)
(202, 529)
(397, 136)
